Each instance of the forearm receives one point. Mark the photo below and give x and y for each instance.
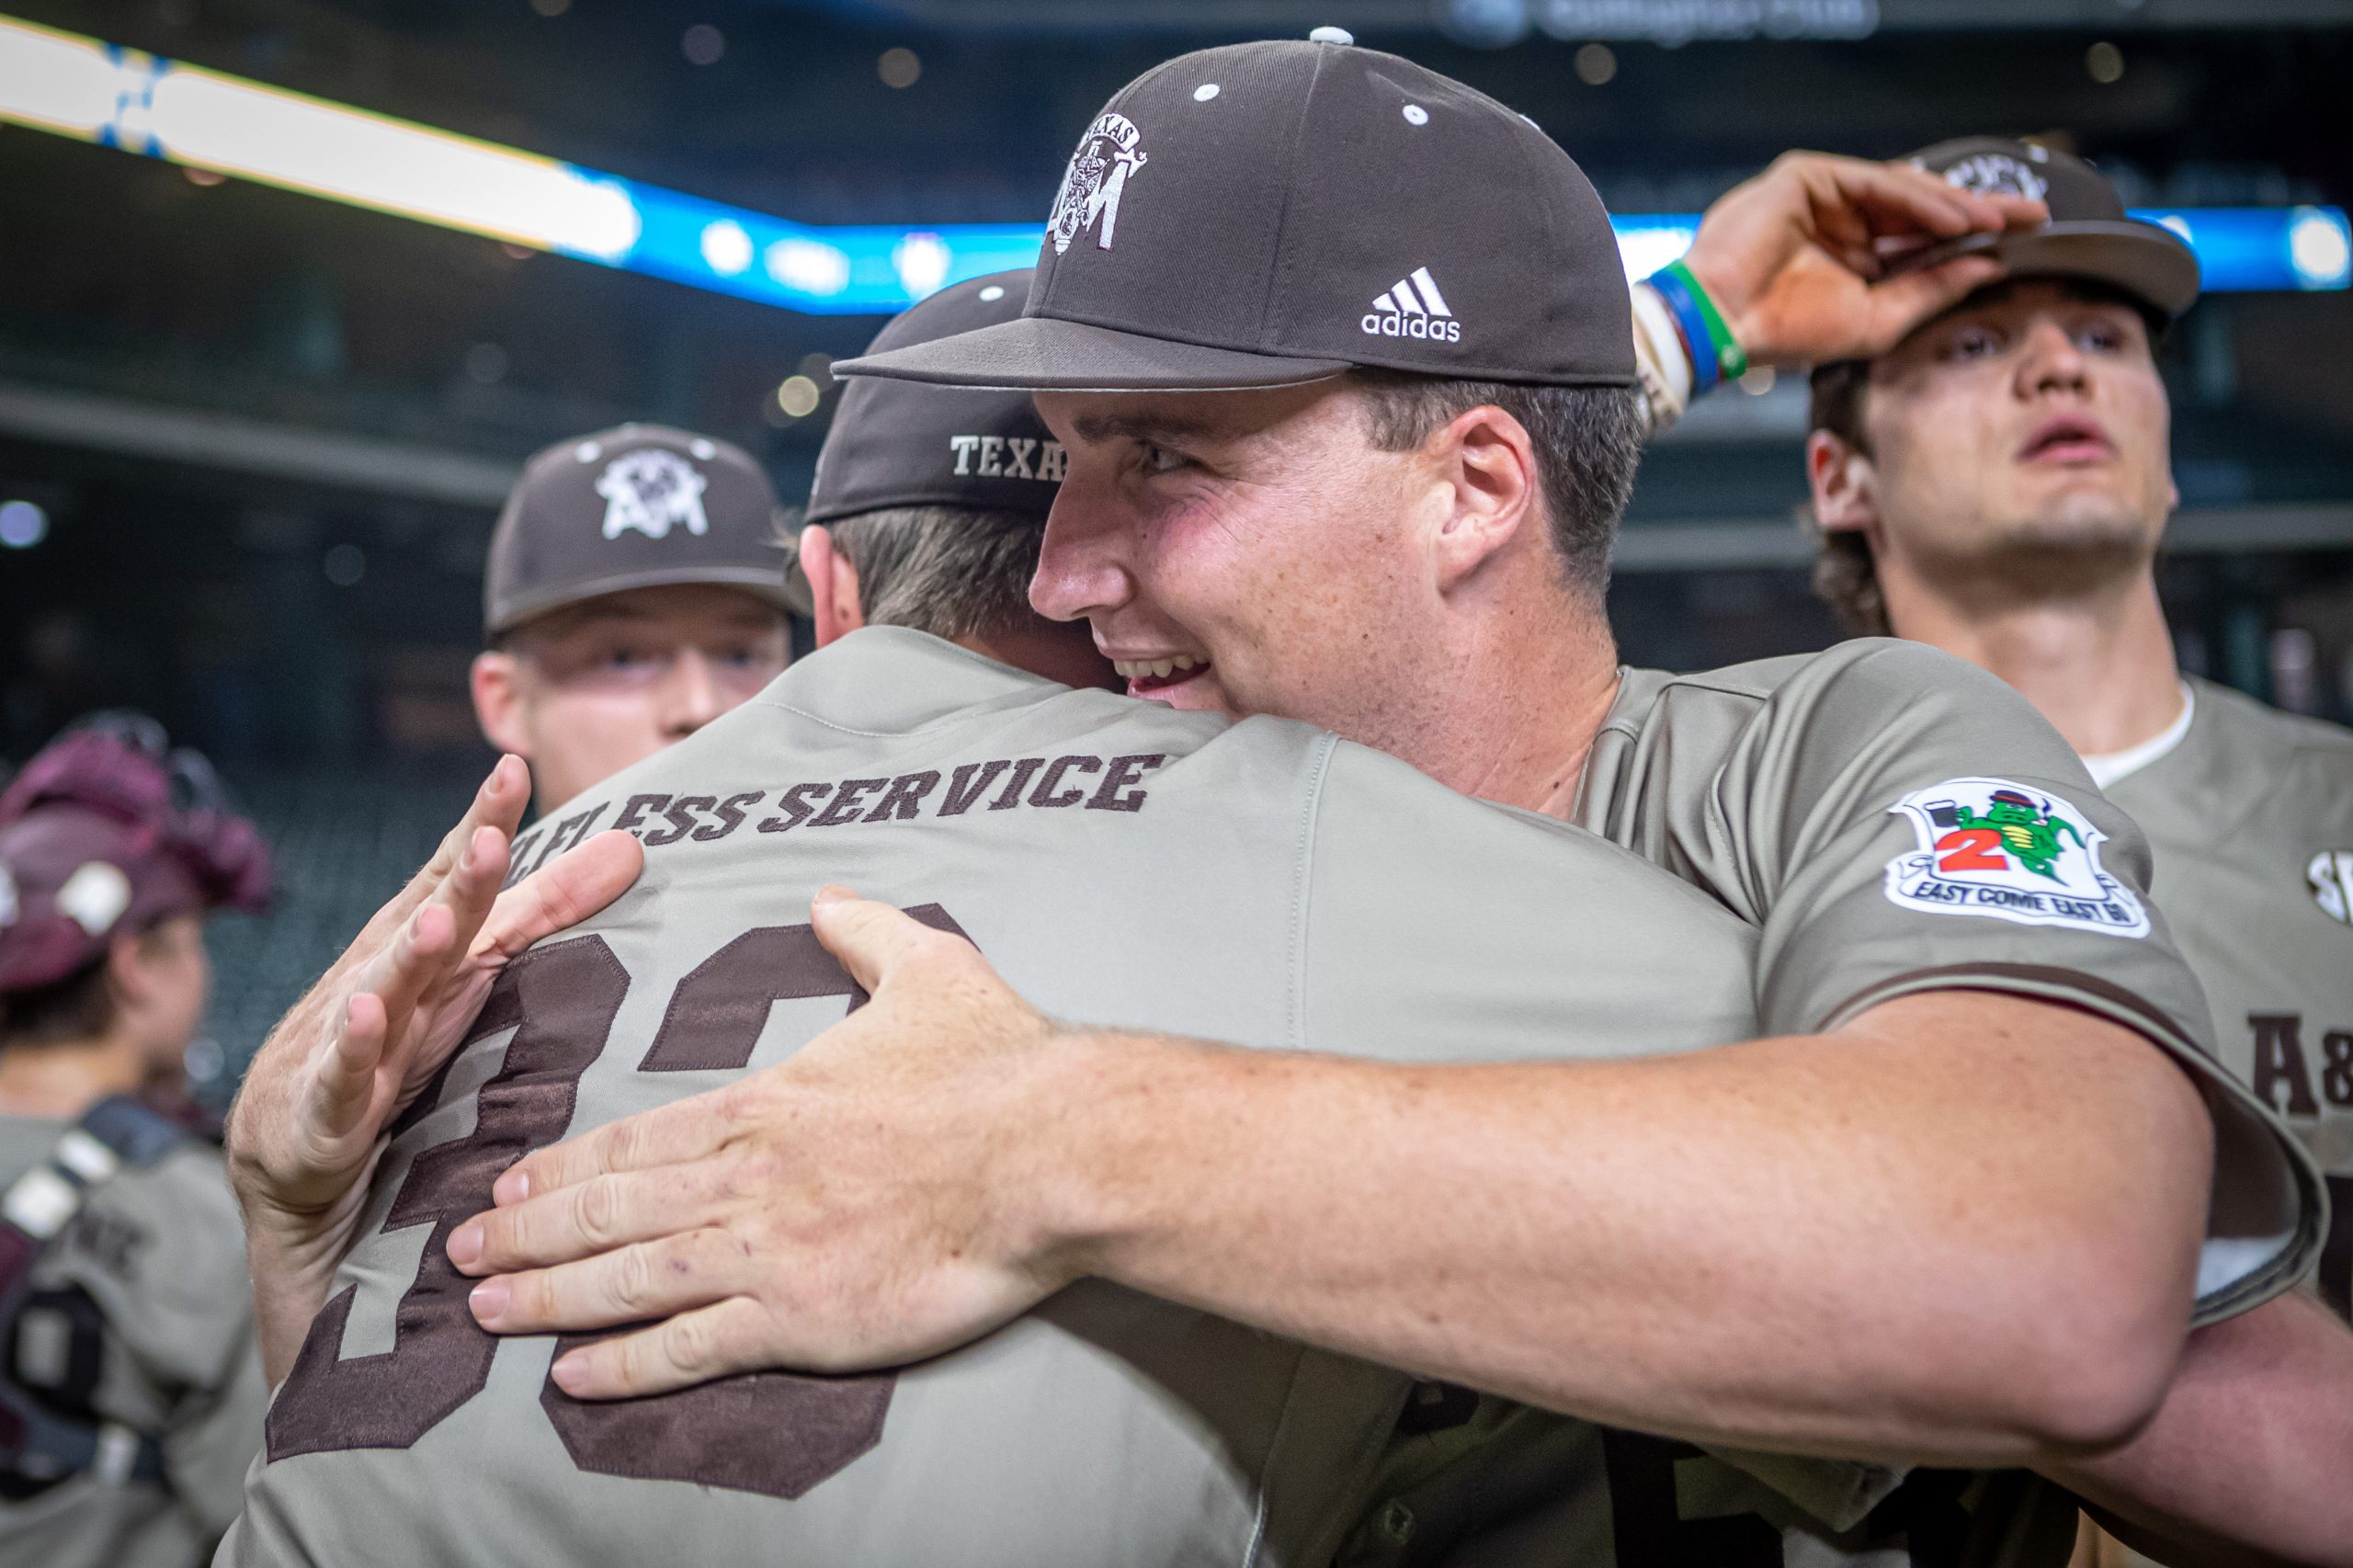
(1830, 1244)
(2246, 1461)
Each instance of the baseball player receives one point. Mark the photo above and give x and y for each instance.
(929, 505)
(130, 1395)
(1113, 854)
(635, 591)
(1360, 467)
(1997, 484)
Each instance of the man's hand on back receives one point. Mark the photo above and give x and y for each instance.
(834, 1212)
(1803, 260)
(311, 1119)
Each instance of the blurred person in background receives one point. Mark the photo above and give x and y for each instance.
(132, 1395)
(1997, 484)
(635, 592)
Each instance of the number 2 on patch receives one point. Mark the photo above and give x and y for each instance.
(1972, 849)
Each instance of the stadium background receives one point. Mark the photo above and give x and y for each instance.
(252, 442)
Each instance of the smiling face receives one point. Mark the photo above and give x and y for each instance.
(2024, 433)
(1249, 552)
(587, 690)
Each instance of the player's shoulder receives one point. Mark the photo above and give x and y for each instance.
(1862, 677)
(1469, 836)
(2239, 720)
(2247, 761)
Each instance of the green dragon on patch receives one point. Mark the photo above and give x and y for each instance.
(2027, 830)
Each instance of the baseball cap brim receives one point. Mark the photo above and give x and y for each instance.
(2144, 260)
(1044, 354)
(769, 583)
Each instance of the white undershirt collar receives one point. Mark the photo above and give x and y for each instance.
(2108, 768)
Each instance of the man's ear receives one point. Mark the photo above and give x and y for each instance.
(126, 970)
(497, 686)
(836, 607)
(1487, 464)
(1846, 486)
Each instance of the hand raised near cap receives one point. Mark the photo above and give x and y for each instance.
(310, 1121)
(1798, 258)
(837, 1211)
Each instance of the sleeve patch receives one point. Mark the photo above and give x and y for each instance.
(1994, 847)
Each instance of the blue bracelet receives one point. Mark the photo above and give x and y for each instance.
(1706, 370)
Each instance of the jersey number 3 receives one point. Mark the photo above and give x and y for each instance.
(560, 1001)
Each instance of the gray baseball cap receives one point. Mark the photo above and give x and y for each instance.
(896, 443)
(2088, 236)
(1274, 213)
(636, 507)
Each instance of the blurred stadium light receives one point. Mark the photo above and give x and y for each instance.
(141, 103)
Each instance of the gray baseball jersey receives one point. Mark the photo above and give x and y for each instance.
(1455, 1479)
(161, 1252)
(1891, 820)
(2251, 816)
(1260, 883)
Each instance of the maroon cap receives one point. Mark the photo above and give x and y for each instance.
(104, 833)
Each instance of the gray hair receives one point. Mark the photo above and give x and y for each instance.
(952, 570)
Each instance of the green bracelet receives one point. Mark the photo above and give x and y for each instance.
(1732, 360)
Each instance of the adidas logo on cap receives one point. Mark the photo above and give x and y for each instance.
(1413, 308)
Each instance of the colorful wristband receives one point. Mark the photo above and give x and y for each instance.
(1697, 318)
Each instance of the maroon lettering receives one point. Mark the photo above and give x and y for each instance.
(716, 1014)
(846, 802)
(569, 832)
(1022, 773)
(680, 815)
(1125, 771)
(634, 813)
(2280, 1062)
(906, 797)
(774, 1432)
(731, 816)
(968, 784)
(1646, 1514)
(794, 808)
(2336, 1073)
(560, 1001)
(523, 848)
(1049, 792)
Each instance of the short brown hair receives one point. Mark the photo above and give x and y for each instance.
(954, 572)
(1844, 573)
(1589, 442)
(76, 1007)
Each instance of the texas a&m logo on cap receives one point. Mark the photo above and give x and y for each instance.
(1098, 177)
(1997, 174)
(1994, 847)
(651, 489)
